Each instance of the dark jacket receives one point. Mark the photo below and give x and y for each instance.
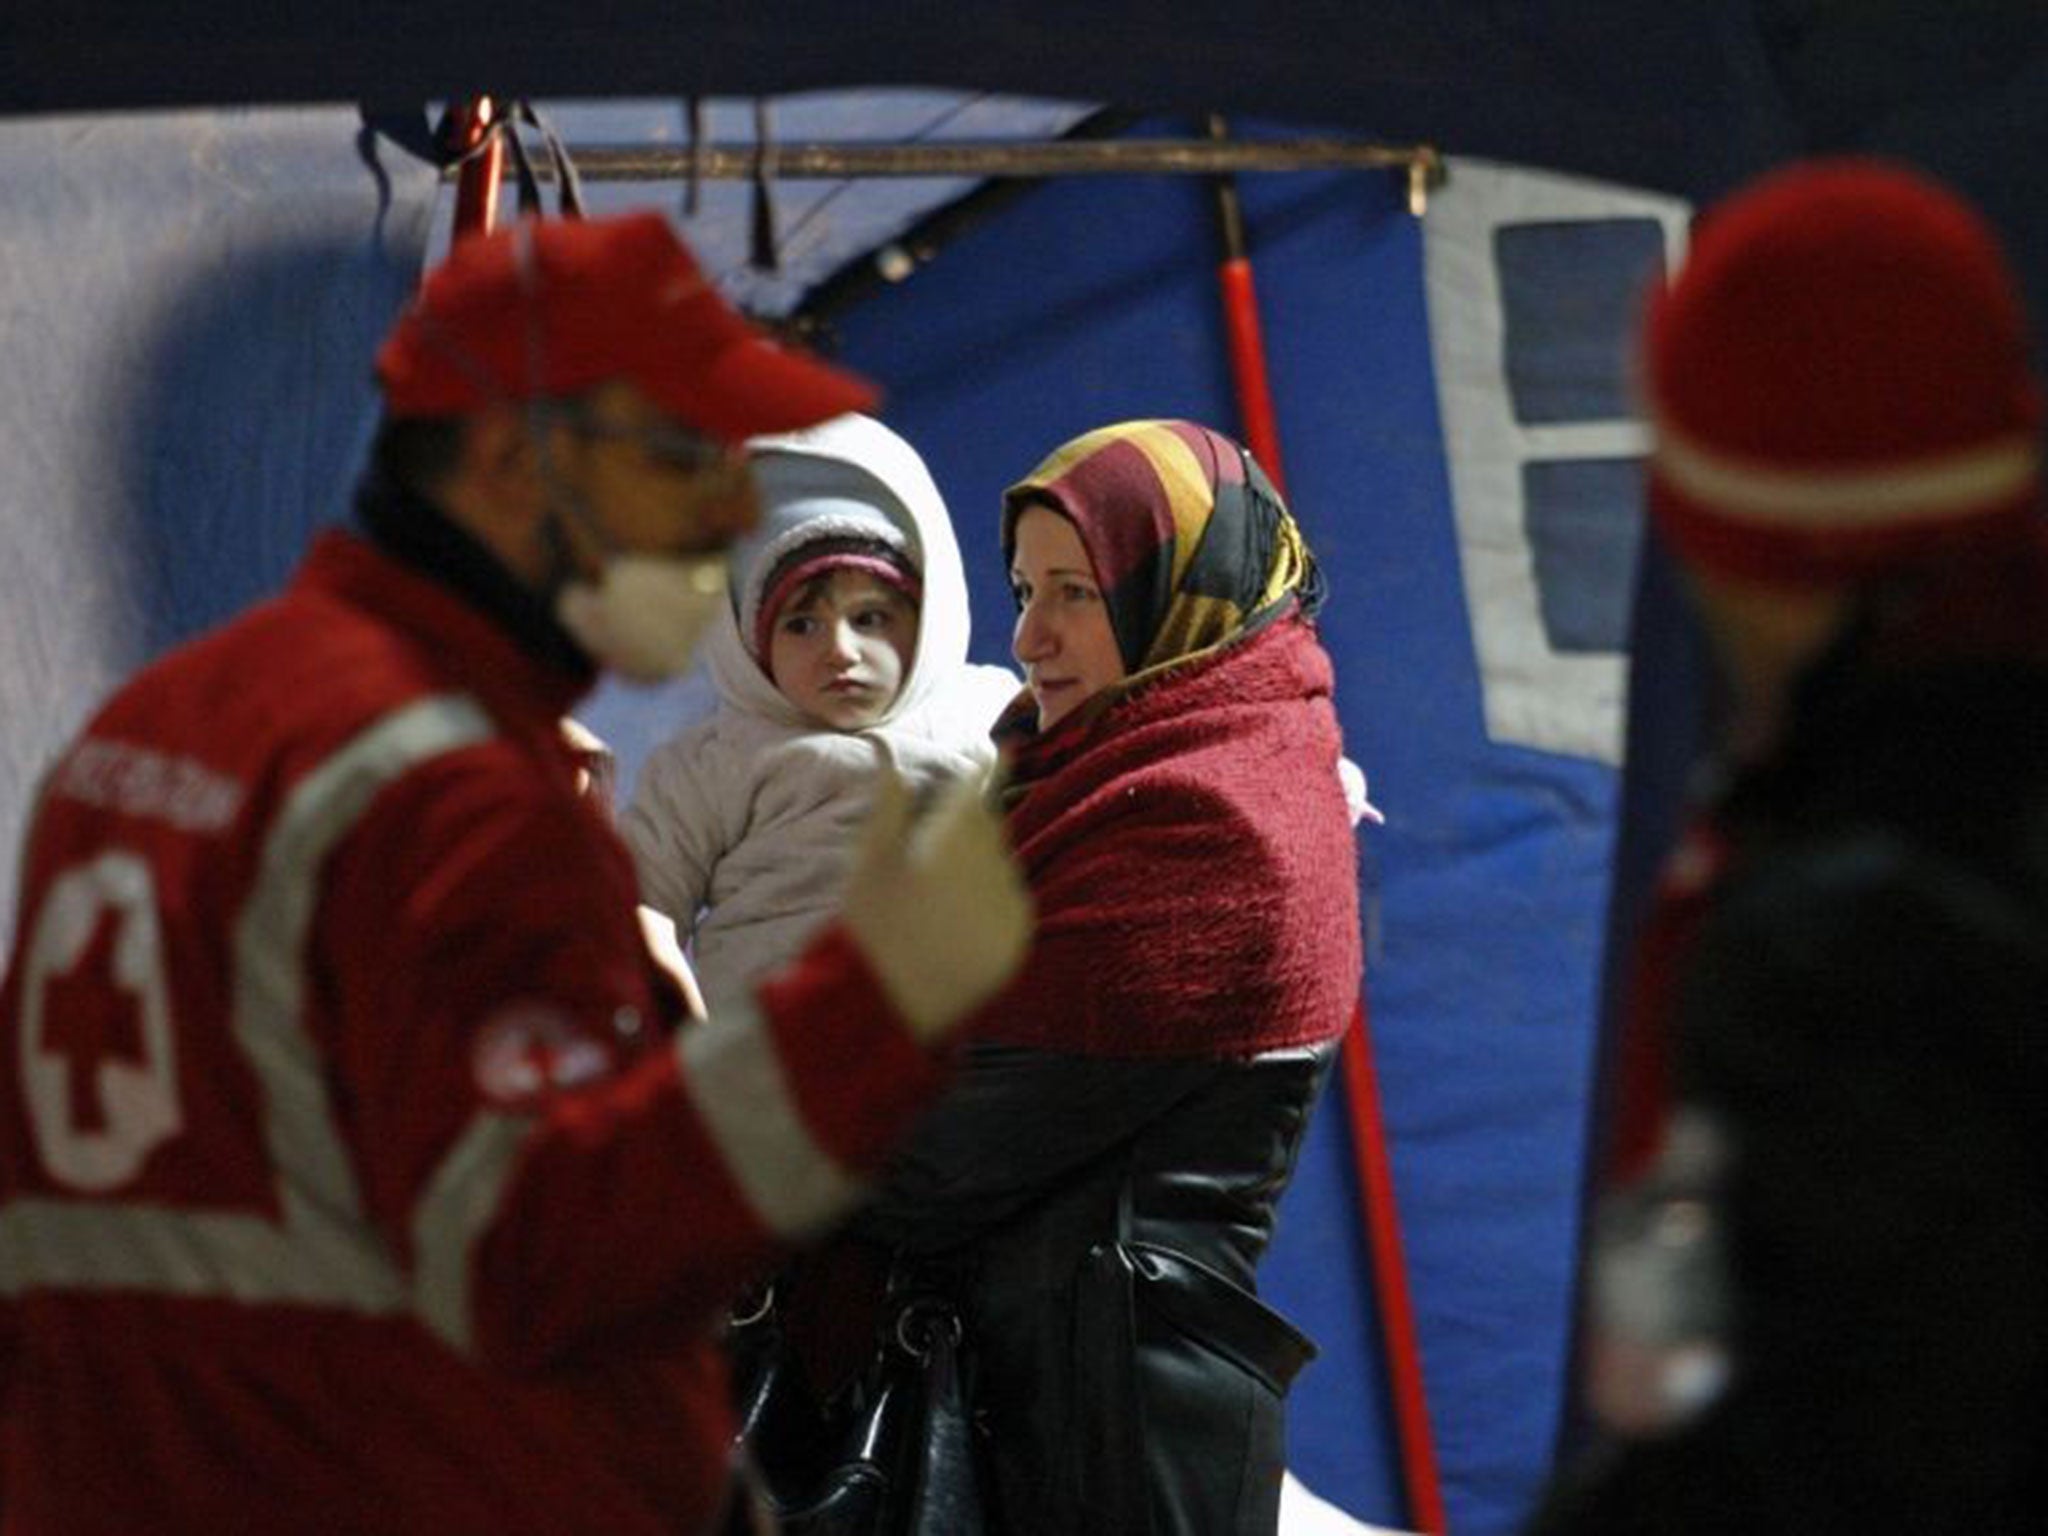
(1101, 1221)
(1863, 1013)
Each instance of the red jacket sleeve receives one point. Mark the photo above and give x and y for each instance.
(550, 1158)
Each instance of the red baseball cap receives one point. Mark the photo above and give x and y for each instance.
(552, 307)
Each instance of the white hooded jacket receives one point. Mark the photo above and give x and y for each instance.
(743, 824)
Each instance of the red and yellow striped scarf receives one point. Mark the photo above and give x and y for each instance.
(1191, 544)
(1184, 832)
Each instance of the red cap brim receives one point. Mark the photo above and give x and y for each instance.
(757, 387)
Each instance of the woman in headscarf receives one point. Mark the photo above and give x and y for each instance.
(1102, 1183)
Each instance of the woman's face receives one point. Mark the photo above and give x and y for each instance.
(1063, 639)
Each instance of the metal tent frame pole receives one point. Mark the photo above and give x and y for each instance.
(997, 159)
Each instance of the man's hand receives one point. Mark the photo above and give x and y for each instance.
(940, 907)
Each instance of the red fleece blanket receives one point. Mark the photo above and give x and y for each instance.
(1193, 865)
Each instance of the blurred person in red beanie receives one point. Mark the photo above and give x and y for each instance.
(1814, 1294)
(355, 1173)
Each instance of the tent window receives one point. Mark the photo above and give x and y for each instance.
(1584, 523)
(1570, 292)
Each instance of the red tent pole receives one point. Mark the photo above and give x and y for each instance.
(1373, 1166)
(1390, 1279)
(1241, 328)
(476, 189)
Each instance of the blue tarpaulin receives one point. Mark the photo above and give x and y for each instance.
(189, 300)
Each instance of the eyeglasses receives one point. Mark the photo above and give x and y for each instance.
(669, 444)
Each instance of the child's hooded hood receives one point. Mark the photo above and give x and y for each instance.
(850, 476)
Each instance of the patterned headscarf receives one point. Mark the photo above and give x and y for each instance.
(1194, 809)
(1190, 542)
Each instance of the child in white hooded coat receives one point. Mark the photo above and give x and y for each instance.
(742, 824)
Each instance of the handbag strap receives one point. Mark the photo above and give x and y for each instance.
(1106, 1477)
(944, 1497)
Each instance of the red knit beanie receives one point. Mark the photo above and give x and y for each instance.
(1838, 379)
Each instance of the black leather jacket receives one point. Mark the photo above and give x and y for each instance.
(1862, 1013)
(1101, 1222)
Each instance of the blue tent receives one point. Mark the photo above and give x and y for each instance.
(190, 294)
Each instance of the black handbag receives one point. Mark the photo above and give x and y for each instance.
(889, 1454)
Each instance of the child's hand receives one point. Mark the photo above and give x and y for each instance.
(939, 907)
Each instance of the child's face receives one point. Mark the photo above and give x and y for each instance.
(840, 648)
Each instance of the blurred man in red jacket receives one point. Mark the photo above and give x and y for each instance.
(354, 1175)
